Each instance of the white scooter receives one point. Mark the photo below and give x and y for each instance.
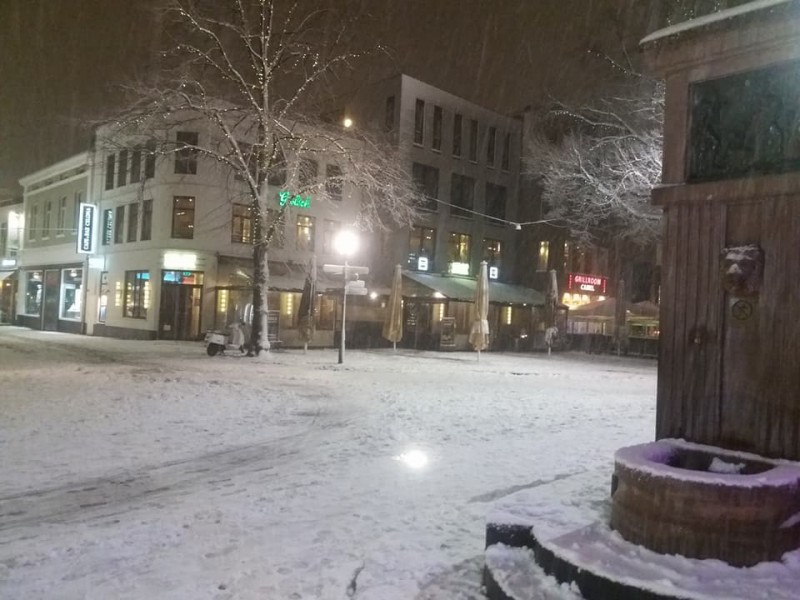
(219, 341)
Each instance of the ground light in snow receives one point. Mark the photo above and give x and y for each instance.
(414, 459)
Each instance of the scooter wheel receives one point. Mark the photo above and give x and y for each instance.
(212, 349)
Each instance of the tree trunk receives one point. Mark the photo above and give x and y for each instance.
(259, 339)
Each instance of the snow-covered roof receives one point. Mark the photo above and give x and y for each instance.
(716, 17)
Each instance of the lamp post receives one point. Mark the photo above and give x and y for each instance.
(345, 243)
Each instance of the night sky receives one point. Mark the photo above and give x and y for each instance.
(63, 62)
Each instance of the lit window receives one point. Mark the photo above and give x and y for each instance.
(242, 224)
(137, 294)
(183, 217)
(305, 233)
(458, 247)
(544, 256)
(71, 294)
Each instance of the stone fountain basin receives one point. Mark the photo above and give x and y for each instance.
(675, 497)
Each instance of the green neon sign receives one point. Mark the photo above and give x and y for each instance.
(298, 201)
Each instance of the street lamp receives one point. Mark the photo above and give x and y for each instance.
(345, 243)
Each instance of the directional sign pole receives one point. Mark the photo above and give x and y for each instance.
(344, 312)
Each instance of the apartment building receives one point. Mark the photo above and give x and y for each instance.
(11, 223)
(51, 292)
(466, 160)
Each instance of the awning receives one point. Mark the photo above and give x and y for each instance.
(283, 276)
(6, 274)
(463, 289)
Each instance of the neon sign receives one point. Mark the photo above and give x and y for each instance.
(285, 197)
(592, 284)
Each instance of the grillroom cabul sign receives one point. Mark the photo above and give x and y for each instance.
(587, 284)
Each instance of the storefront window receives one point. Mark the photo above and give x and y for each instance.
(33, 293)
(137, 294)
(458, 248)
(71, 296)
(183, 277)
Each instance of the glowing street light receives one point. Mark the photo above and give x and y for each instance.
(345, 243)
(348, 122)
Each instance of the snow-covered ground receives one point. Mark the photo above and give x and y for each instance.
(144, 470)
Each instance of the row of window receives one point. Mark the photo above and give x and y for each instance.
(422, 244)
(457, 146)
(462, 193)
(131, 166)
(138, 229)
(53, 217)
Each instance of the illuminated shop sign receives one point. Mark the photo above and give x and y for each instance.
(286, 197)
(422, 263)
(588, 284)
(494, 272)
(86, 214)
(459, 268)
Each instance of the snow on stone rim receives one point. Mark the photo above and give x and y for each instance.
(569, 518)
(710, 19)
(651, 458)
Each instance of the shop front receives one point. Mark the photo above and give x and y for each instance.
(51, 298)
(181, 310)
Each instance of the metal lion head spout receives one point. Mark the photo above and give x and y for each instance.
(742, 269)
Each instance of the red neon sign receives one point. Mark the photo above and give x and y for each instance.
(588, 284)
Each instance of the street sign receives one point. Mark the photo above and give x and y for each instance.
(356, 291)
(339, 269)
(358, 283)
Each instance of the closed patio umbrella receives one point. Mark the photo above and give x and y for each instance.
(479, 334)
(305, 312)
(393, 323)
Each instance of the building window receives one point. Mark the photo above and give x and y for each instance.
(462, 196)
(473, 140)
(137, 294)
(150, 160)
(119, 225)
(275, 219)
(458, 248)
(33, 292)
(108, 224)
(544, 256)
(133, 221)
(436, 143)
(71, 297)
(4, 239)
(76, 205)
(276, 173)
(242, 224)
(183, 217)
(136, 165)
(329, 230)
(490, 145)
(61, 220)
(419, 122)
(33, 222)
(122, 171)
(333, 182)
(496, 201)
(147, 220)
(388, 119)
(568, 257)
(305, 233)
(493, 252)
(506, 151)
(48, 212)
(426, 179)
(309, 170)
(421, 244)
(110, 171)
(457, 130)
(186, 153)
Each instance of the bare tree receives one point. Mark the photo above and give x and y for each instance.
(598, 164)
(248, 75)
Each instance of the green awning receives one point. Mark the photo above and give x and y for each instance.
(463, 289)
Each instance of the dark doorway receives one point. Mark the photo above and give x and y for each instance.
(181, 305)
(52, 293)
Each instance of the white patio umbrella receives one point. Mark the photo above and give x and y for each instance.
(479, 334)
(393, 323)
